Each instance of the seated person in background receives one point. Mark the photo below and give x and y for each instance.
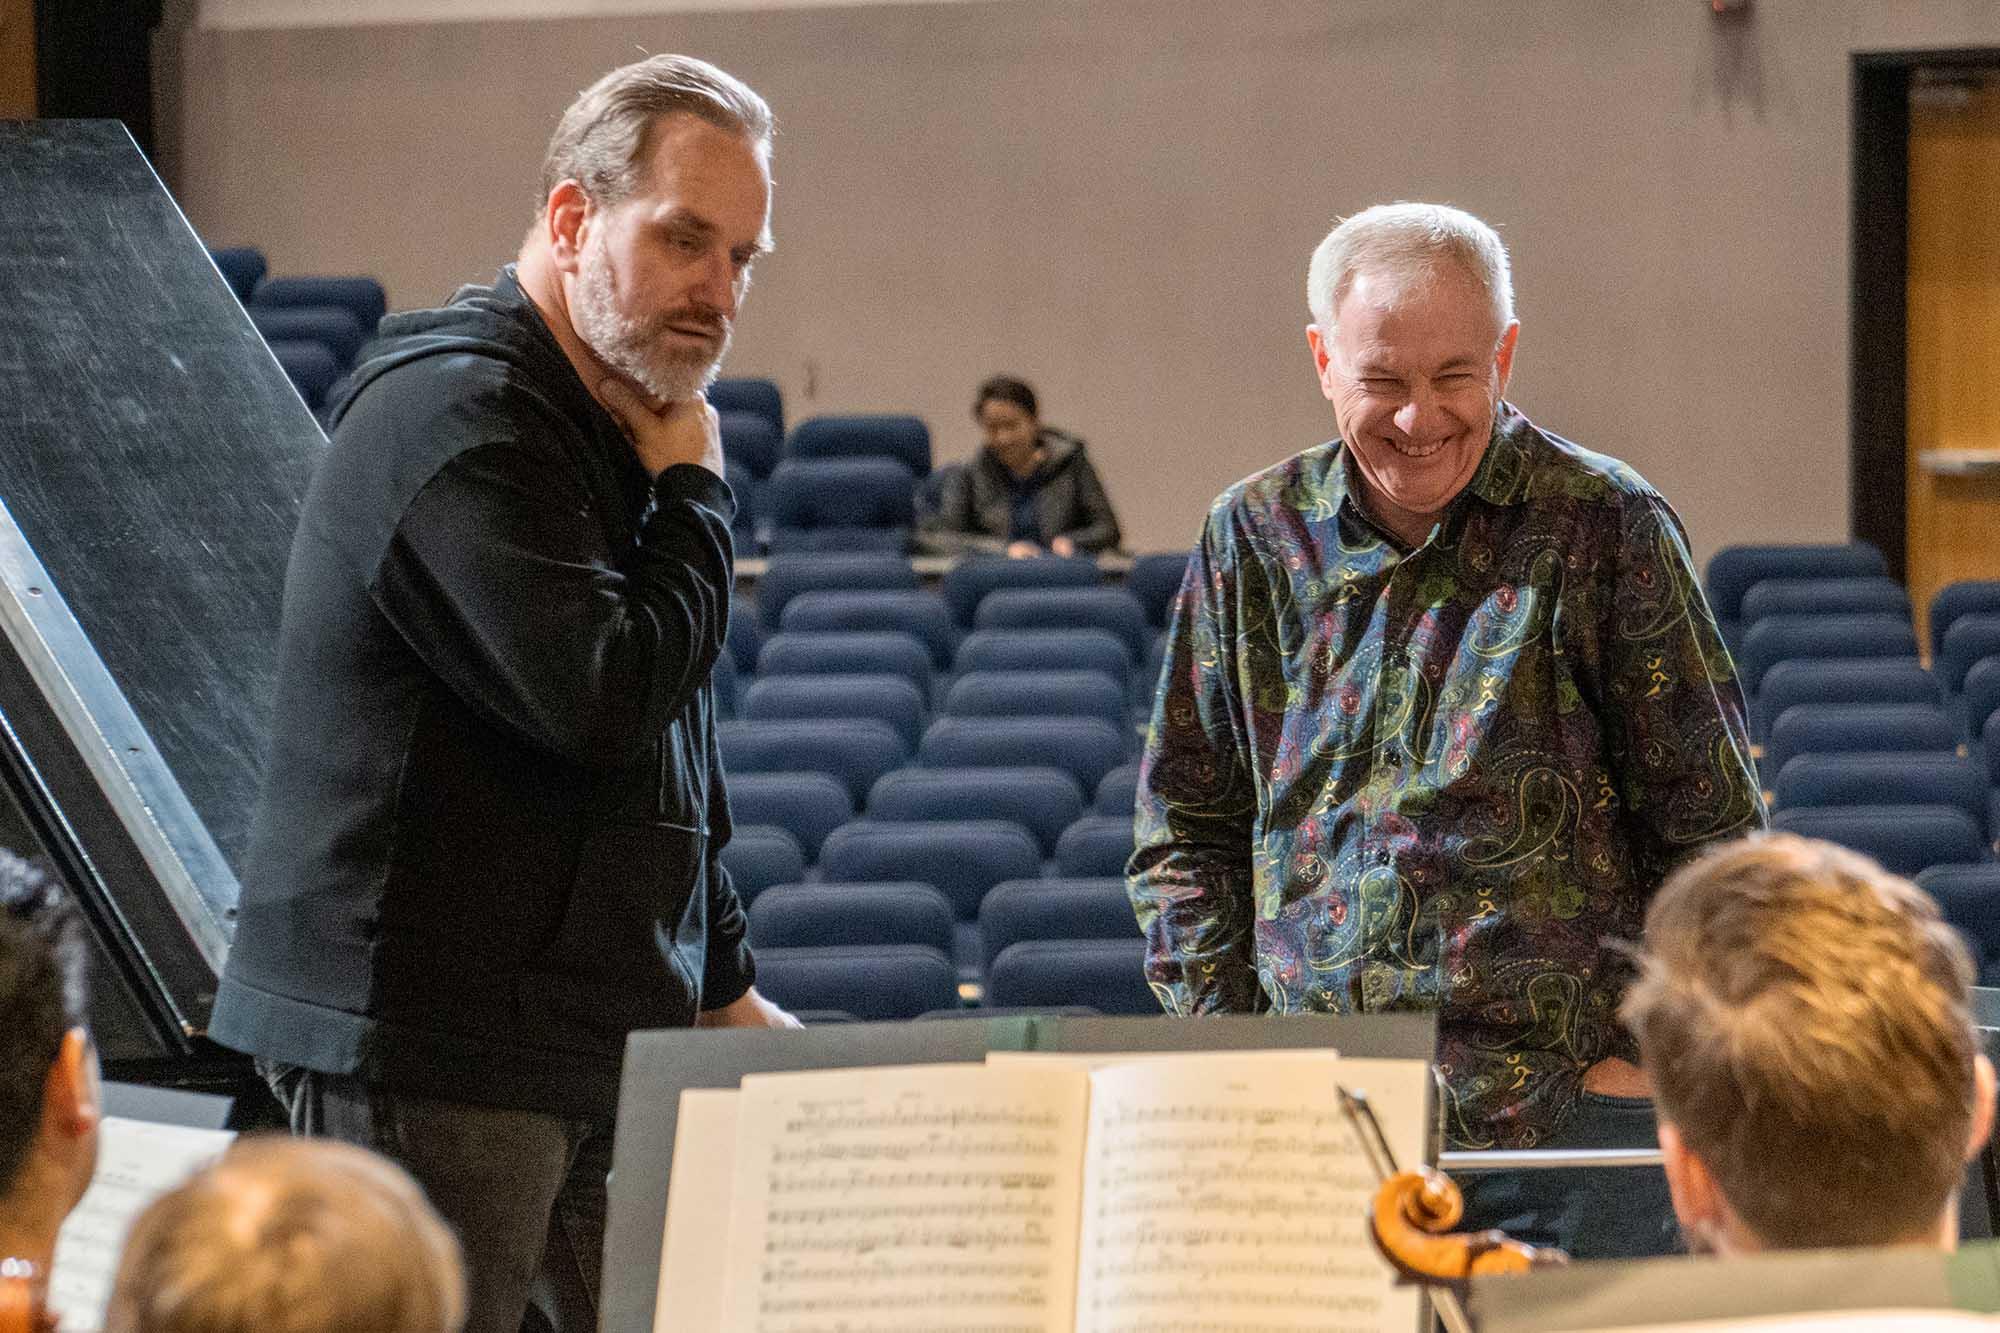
(289, 1235)
(1030, 491)
(48, 1083)
(1805, 1017)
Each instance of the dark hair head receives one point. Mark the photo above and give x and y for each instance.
(41, 998)
(1008, 390)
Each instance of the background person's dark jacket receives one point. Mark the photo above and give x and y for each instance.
(975, 503)
(485, 848)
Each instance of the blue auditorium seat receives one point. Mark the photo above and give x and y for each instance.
(806, 805)
(1095, 846)
(963, 857)
(786, 576)
(1866, 594)
(967, 583)
(1045, 650)
(1970, 898)
(1037, 694)
(1777, 639)
(1111, 609)
(929, 495)
(1981, 696)
(840, 504)
(794, 916)
(1824, 728)
(1085, 747)
(1842, 680)
(362, 297)
(727, 687)
(1155, 580)
(846, 653)
(1736, 569)
(913, 611)
(1053, 909)
(1108, 975)
(1045, 801)
(309, 366)
(1866, 777)
(758, 856)
(1118, 791)
(332, 327)
(903, 439)
(745, 637)
(1964, 598)
(1904, 838)
(855, 750)
(242, 267)
(1970, 638)
(757, 397)
(887, 698)
(877, 982)
(750, 440)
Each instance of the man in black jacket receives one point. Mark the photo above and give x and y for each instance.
(486, 847)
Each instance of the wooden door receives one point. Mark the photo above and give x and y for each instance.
(17, 59)
(1954, 337)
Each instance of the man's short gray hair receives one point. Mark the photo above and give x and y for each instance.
(1406, 242)
(603, 139)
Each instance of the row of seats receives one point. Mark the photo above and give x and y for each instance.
(315, 326)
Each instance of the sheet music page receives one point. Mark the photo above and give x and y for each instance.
(941, 1198)
(137, 1162)
(1229, 1191)
(694, 1253)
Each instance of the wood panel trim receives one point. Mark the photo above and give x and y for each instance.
(17, 59)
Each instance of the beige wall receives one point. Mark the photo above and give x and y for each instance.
(1116, 199)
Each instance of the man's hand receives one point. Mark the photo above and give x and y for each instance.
(1063, 547)
(1022, 550)
(664, 434)
(1617, 1078)
(749, 1010)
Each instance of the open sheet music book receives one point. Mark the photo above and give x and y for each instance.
(1039, 1195)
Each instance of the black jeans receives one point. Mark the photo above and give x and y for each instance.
(1594, 1213)
(524, 1190)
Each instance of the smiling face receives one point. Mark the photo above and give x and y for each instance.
(1415, 370)
(656, 278)
(1010, 431)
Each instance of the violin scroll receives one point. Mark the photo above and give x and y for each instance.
(1413, 1216)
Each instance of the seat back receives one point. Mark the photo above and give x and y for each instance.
(1155, 580)
(887, 698)
(758, 856)
(1868, 594)
(1970, 638)
(759, 397)
(242, 267)
(1045, 801)
(817, 916)
(1970, 898)
(1045, 650)
(902, 439)
(1107, 975)
(841, 493)
(1037, 694)
(1904, 838)
(332, 327)
(1095, 846)
(1777, 639)
(963, 858)
(1084, 747)
(1736, 569)
(1053, 909)
(310, 367)
(915, 612)
(725, 680)
(806, 805)
(967, 583)
(1827, 728)
(847, 653)
(786, 576)
(878, 982)
(855, 750)
(1861, 777)
(1981, 696)
(745, 635)
(1964, 598)
(1118, 791)
(361, 296)
(749, 439)
(1842, 680)
(1111, 609)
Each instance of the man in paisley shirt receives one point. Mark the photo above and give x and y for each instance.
(1442, 706)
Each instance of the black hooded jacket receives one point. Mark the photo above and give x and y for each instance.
(485, 846)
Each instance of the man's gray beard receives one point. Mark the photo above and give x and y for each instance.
(630, 347)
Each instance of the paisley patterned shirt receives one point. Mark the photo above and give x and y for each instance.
(1446, 778)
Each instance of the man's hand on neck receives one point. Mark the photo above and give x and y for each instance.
(664, 434)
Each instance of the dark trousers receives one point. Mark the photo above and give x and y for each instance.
(523, 1190)
(1594, 1213)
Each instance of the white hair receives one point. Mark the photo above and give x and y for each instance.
(1408, 242)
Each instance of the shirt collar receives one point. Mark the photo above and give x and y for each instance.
(1500, 479)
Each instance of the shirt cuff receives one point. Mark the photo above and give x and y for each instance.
(691, 481)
